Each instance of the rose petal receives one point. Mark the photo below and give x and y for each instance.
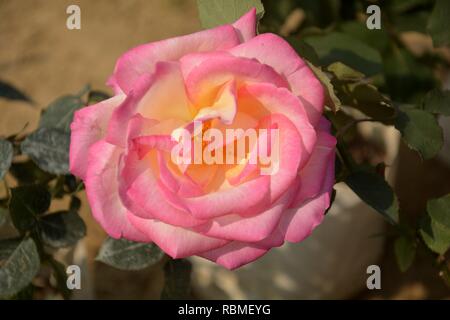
(314, 173)
(270, 99)
(142, 59)
(245, 198)
(286, 61)
(251, 196)
(290, 152)
(102, 192)
(253, 228)
(88, 127)
(224, 108)
(246, 25)
(310, 91)
(298, 223)
(159, 96)
(205, 80)
(235, 254)
(175, 241)
(147, 197)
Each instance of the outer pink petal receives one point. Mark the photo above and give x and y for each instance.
(160, 96)
(175, 241)
(306, 218)
(246, 25)
(314, 173)
(88, 127)
(247, 198)
(253, 228)
(272, 50)
(235, 254)
(291, 151)
(142, 59)
(324, 125)
(298, 223)
(102, 192)
(310, 91)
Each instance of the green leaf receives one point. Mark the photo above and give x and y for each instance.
(177, 275)
(96, 96)
(218, 12)
(375, 191)
(6, 155)
(129, 255)
(366, 98)
(304, 50)
(19, 263)
(439, 210)
(420, 131)
(376, 39)
(437, 101)
(439, 23)
(26, 293)
(59, 114)
(70, 181)
(61, 229)
(354, 91)
(29, 173)
(335, 46)
(344, 72)
(275, 14)
(331, 99)
(405, 251)
(9, 92)
(84, 90)
(49, 149)
(402, 6)
(435, 235)
(75, 204)
(26, 203)
(413, 21)
(407, 79)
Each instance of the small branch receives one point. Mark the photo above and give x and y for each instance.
(342, 131)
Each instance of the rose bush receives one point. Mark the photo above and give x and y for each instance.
(226, 77)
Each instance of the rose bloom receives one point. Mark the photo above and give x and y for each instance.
(226, 77)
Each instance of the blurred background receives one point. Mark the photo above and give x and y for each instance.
(39, 55)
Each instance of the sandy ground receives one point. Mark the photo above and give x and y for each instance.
(41, 56)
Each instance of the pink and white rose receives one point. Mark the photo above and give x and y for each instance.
(226, 77)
